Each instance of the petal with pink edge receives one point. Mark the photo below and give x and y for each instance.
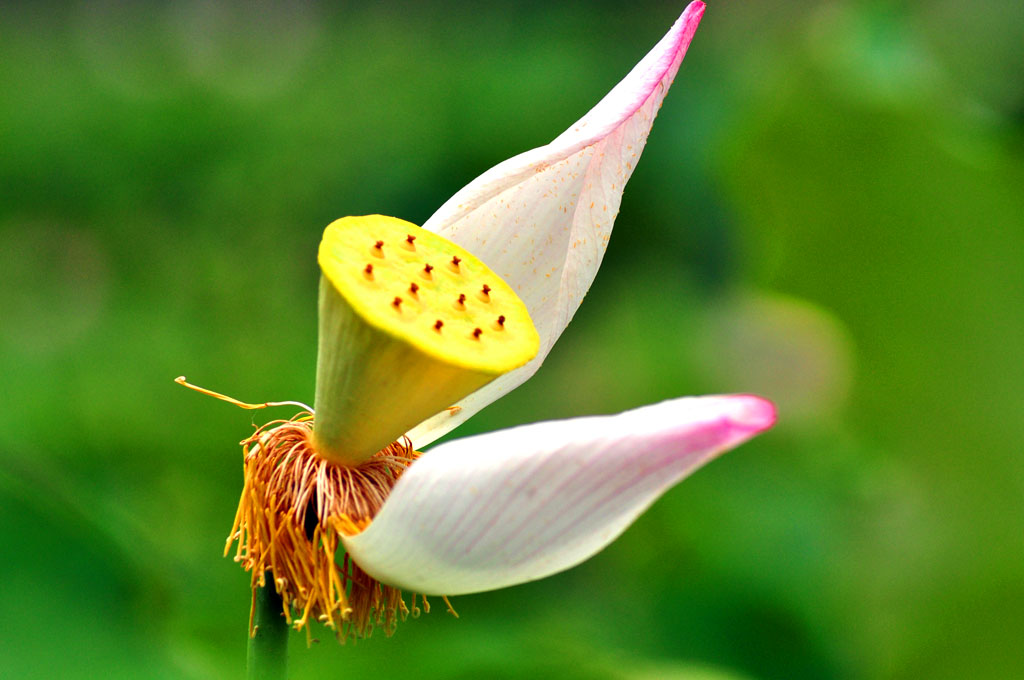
(516, 505)
(542, 219)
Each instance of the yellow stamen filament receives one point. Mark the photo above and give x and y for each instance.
(295, 506)
(241, 404)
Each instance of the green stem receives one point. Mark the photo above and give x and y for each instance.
(267, 658)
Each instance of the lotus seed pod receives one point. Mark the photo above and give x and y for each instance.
(409, 324)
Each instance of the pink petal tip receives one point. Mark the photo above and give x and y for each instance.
(753, 413)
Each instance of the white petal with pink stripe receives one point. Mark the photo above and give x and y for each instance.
(542, 219)
(516, 505)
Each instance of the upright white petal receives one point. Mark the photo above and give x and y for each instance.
(542, 219)
(517, 505)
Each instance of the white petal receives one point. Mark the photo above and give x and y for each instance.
(542, 219)
(517, 505)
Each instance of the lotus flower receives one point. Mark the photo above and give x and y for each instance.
(496, 509)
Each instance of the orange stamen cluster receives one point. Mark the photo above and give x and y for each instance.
(294, 508)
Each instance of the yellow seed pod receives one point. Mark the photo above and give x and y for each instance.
(409, 324)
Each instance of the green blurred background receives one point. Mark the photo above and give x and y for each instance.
(830, 212)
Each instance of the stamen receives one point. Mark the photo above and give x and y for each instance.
(437, 325)
(414, 287)
(369, 271)
(397, 303)
(288, 489)
(241, 404)
(409, 239)
(477, 333)
(501, 320)
(451, 609)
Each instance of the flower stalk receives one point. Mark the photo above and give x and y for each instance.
(267, 655)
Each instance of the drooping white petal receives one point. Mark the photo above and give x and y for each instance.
(542, 219)
(516, 505)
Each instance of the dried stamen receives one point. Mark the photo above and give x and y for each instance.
(295, 506)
